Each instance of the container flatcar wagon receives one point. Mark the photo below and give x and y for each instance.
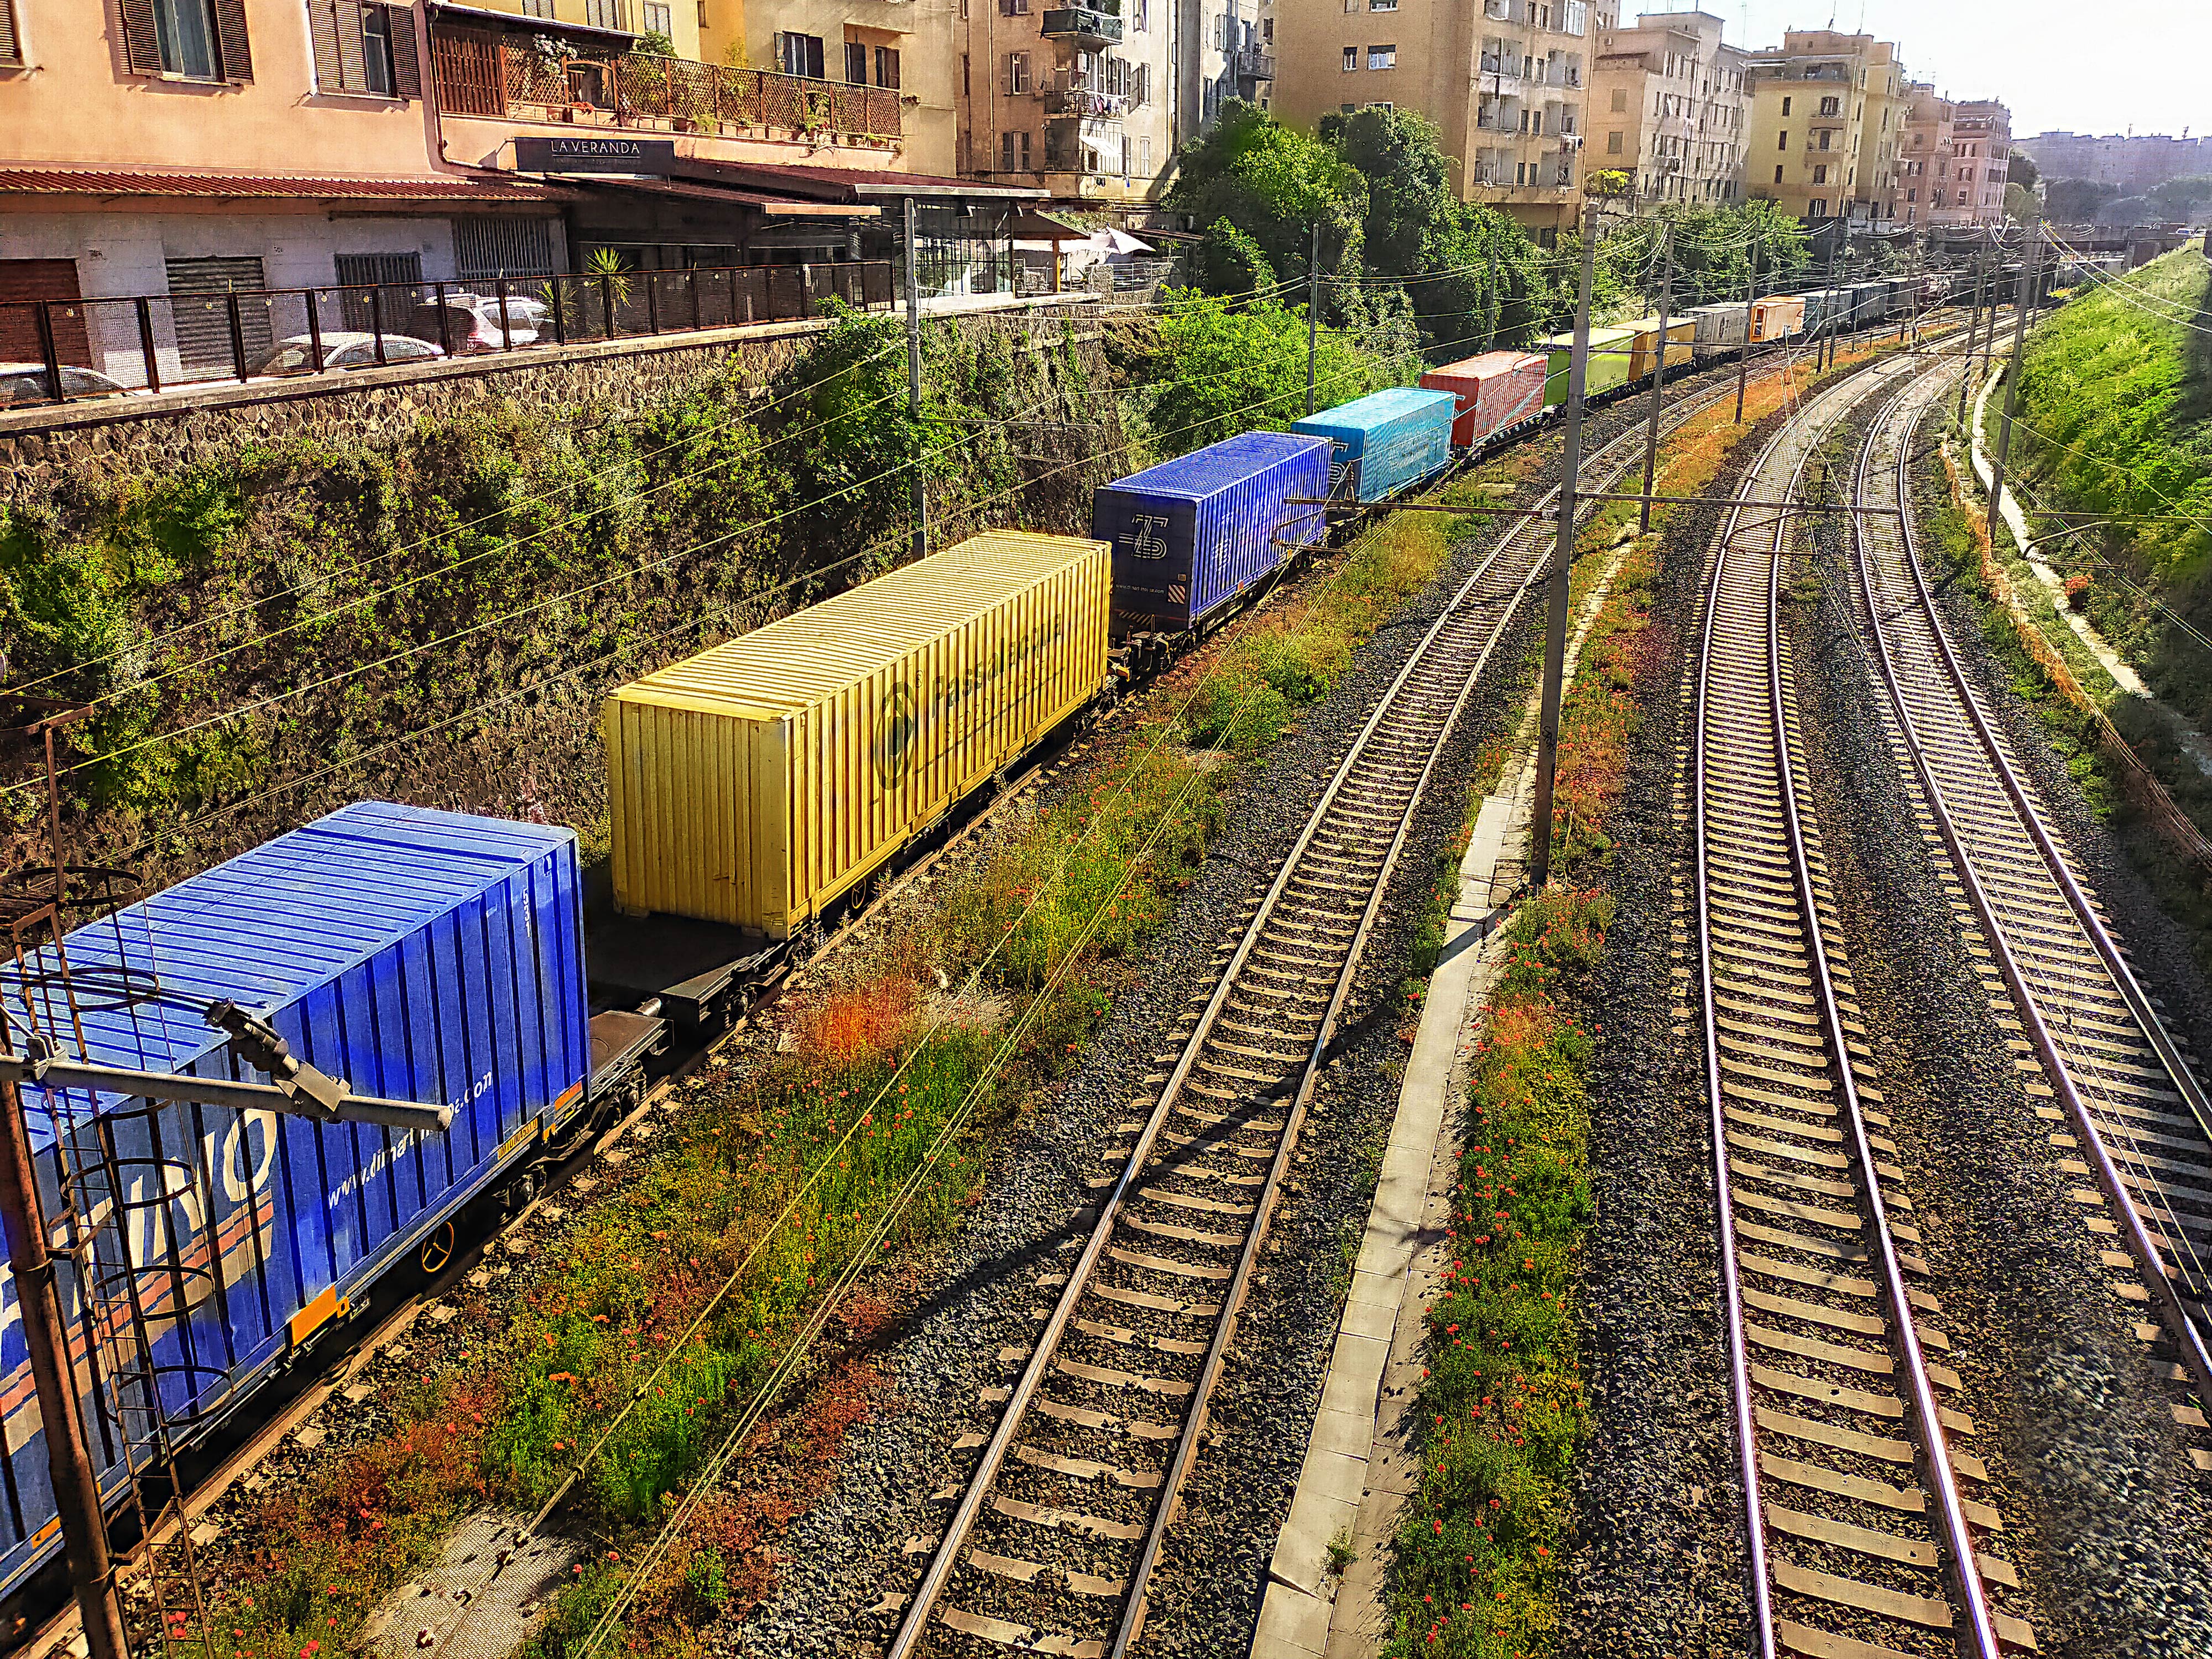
(1610, 349)
(1191, 535)
(1496, 391)
(1386, 442)
(1643, 350)
(756, 783)
(418, 955)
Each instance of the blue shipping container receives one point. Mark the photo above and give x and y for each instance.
(1386, 442)
(418, 954)
(1191, 534)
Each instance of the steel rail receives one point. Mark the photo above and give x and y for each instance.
(1957, 1536)
(914, 1625)
(2186, 1330)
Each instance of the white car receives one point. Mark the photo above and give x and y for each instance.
(343, 349)
(26, 383)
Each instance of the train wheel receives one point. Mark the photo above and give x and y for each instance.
(437, 1250)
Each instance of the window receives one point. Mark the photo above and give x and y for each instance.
(1831, 106)
(1619, 100)
(856, 64)
(964, 92)
(1785, 106)
(11, 45)
(1351, 59)
(364, 48)
(1014, 152)
(1141, 16)
(1017, 73)
(540, 8)
(1013, 8)
(1827, 135)
(1381, 57)
(1783, 140)
(1128, 152)
(1820, 175)
(196, 40)
(607, 15)
(1613, 143)
(1520, 173)
(887, 68)
(1820, 207)
(1777, 173)
(659, 19)
(1382, 5)
(1145, 156)
(798, 54)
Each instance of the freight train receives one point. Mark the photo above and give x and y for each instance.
(755, 791)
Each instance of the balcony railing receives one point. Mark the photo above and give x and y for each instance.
(482, 72)
(1101, 24)
(1061, 102)
(134, 346)
(1251, 64)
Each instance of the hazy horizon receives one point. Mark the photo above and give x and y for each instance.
(2036, 55)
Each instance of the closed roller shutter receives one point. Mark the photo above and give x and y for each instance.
(488, 245)
(40, 279)
(203, 320)
(398, 280)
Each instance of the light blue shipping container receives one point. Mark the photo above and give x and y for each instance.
(1386, 442)
(418, 954)
(1191, 534)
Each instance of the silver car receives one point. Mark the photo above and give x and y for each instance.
(343, 349)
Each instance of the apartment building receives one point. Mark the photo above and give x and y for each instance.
(1505, 81)
(171, 149)
(1827, 127)
(1982, 130)
(1090, 99)
(2134, 163)
(1669, 108)
(1925, 165)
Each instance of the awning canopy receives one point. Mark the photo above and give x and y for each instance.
(851, 185)
(788, 206)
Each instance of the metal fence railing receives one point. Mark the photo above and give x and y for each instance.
(57, 351)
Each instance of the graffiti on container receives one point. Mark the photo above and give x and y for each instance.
(905, 715)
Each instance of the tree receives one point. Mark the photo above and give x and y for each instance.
(2128, 210)
(2021, 170)
(1229, 262)
(2075, 201)
(2021, 202)
(1224, 369)
(1713, 247)
(2179, 198)
(1273, 184)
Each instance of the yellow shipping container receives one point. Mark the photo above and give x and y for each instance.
(1643, 352)
(754, 783)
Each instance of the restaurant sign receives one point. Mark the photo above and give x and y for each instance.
(594, 155)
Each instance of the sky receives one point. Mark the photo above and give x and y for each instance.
(2099, 66)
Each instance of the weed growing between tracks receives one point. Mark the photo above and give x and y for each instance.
(1478, 1566)
(621, 1317)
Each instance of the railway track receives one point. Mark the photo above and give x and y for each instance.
(1060, 1524)
(2122, 1102)
(1865, 1538)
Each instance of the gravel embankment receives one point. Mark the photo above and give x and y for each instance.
(2105, 1519)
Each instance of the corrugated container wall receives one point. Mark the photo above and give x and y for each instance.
(418, 954)
(1191, 534)
(1610, 349)
(1496, 390)
(1644, 350)
(754, 783)
(1719, 328)
(1385, 441)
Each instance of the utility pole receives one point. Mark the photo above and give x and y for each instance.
(1973, 322)
(1313, 312)
(1828, 347)
(1743, 357)
(1659, 376)
(1563, 557)
(1490, 293)
(2011, 376)
(69, 1465)
(913, 386)
(1996, 300)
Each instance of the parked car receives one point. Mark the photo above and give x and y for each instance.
(26, 383)
(343, 349)
(472, 321)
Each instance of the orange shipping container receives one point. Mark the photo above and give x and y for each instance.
(754, 783)
(1494, 390)
(1777, 316)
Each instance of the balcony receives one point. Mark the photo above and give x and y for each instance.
(482, 73)
(1061, 103)
(1250, 63)
(1091, 25)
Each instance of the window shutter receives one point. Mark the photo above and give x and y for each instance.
(230, 40)
(323, 35)
(11, 50)
(406, 62)
(352, 70)
(141, 46)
